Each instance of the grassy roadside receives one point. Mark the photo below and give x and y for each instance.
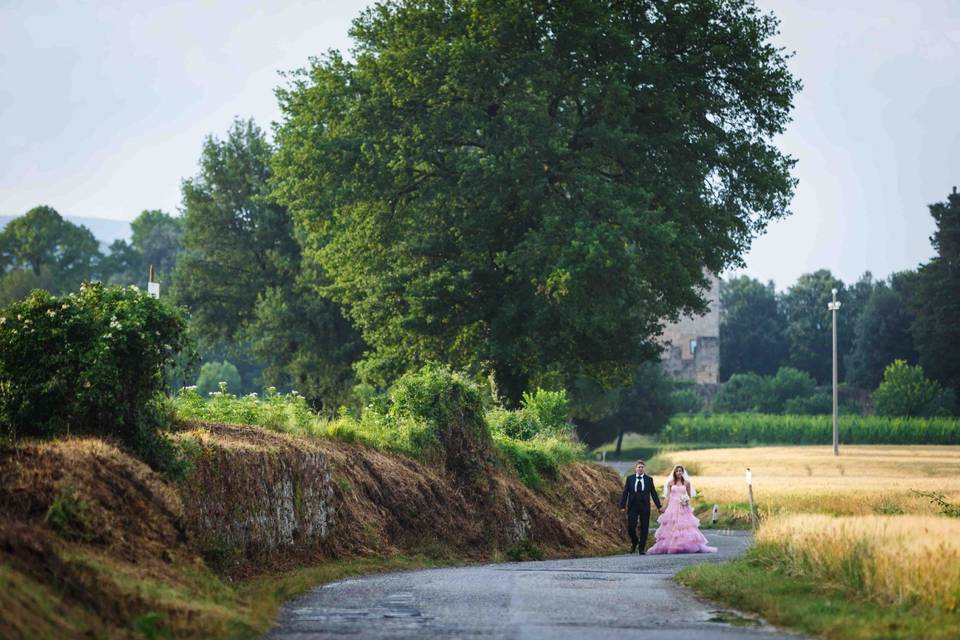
(814, 607)
(218, 608)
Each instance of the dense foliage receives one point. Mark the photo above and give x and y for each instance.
(905, 391)
(156, 239)
(882, 334)
(42, 250)
(789, 391)
(935, 298)
(752, 328)
(521, 188)
(412, 420)
(214, 374)
(91, 362)
(755, 428)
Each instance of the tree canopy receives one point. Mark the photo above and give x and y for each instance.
(56, 251)
(522, 187)
(935, 298)
(236, 242)
(752, 328)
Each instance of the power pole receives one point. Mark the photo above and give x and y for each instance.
(834, 306)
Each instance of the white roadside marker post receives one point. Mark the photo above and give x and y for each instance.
(753, 512)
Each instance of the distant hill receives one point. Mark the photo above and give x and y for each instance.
(103, 229)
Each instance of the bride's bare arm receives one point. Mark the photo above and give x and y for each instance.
(687, 485)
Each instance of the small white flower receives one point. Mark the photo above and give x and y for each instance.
(192, 387)
(107, 335)
(86, 384)
(3, 320)
(64, 306)
(115, 324)
(51, 313)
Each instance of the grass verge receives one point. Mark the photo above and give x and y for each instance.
(193, 603)
(815, 607)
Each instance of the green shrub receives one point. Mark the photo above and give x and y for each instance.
(551, 409)
(756, 428)
(414, 418)
(905, 392)
(278, 412)
(787, 384)
(519, 425)
(213, 373)
(91, 362)
(686, 401)
(819, 404)
(541, 414)
(766, 394)
(742, 392)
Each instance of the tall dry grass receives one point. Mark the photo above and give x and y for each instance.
(908, 560)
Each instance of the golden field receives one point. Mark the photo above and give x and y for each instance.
(898, 560)
(864, 479)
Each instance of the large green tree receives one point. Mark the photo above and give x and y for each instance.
(236, 242)
(882, 335)
(306, 344)
(156, 240)
(809, 324)
(55, 250)
(241, 274)
(522, 187)
(935, 298)
(752, 328)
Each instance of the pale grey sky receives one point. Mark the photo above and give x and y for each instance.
(104, 105)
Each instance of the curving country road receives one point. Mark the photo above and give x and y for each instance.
(626, 596)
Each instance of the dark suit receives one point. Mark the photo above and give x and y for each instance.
(636, 499)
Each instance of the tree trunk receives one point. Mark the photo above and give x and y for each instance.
(619, 442)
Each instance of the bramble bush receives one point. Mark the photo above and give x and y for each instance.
(91, 362)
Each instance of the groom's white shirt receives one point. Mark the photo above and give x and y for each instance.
(638, 484)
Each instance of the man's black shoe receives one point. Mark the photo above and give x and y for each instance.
(642, 552)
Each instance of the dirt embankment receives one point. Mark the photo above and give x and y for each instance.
(94, 544)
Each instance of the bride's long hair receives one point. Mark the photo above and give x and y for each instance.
(673, 475)
(683, 478)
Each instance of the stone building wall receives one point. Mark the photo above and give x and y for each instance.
(692, 345)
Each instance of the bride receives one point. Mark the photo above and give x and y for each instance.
(679, 530)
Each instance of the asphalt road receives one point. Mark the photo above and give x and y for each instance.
(626, 596)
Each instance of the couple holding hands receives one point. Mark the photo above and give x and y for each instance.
(678, 530)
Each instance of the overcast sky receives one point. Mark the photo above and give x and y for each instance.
(104, 106)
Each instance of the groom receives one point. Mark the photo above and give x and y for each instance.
(635, 500)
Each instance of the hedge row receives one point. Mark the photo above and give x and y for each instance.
(748, 428)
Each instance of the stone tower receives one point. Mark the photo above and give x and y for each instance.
(692, 345)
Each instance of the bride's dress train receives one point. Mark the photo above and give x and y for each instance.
(679, 530)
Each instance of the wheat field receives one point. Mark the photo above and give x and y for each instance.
(864, 479)
(912, 560)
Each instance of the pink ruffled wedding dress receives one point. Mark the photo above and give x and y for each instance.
(679, 530)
